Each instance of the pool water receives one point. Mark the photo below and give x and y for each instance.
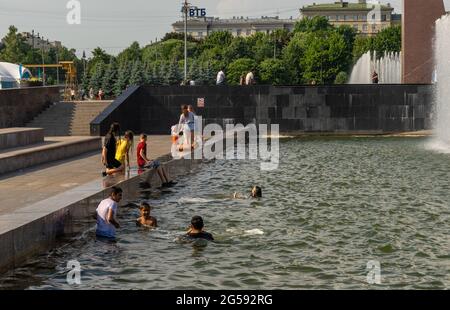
(333, 205)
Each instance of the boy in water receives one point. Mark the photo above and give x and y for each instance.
(255, 193)
(146, 219)
(196, 230)
(106, 215)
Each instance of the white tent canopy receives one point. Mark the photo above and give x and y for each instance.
(12, 73)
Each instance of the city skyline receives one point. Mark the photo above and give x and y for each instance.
(114, 25)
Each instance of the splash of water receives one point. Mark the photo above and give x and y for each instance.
(441, 140)
(388, 67)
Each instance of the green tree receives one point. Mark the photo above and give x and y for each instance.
(237, 68)
(173, 74)
(123, 77)
(273, 71)
(137, 74)
(97, 77)
(130, 54)
(314, 24)
(239, 48)
(15, 49)
(341, 78)
(98, 56)
(293, 55)
(110, 78)
(388, 40)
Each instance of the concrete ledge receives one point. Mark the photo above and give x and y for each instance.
(35, 229)
(15, 137)
(52, 149)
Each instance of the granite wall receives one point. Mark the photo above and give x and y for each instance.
(20, 105)
(343, 108)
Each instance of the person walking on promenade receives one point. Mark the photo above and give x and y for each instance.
(242, 79)
(250, 78)
(187, 121)
(72, 94)
(91, 94)
(100, 94)
(220, 80)
(109, 150)
(106, 215)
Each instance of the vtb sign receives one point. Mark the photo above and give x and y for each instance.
(196, 12)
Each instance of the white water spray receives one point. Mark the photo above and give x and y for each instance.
(388, 68)
(441, 140)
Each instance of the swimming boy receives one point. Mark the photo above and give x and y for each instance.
(146, 219)
(106, 214)
(196, 230)
(255, 193)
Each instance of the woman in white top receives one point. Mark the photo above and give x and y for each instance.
(187, 121)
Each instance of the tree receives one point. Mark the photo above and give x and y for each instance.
(97, 76)
(316, 23)
(122, 81)
(178, 36)
(173, 74)
(15, 49)
(388, 40)
(341, 78)
(273, 71)
(237, 68)
(98, 56)
(130, 54)
(293, 55)
(325, 57)
(110, 78)
(137, 74)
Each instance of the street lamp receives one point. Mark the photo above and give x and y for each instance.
(185, 11)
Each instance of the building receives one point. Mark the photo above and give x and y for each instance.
(36, 41)
(238, 26)
(368, 18)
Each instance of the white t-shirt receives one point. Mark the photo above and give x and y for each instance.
(104, 228)
(249, 79)
(220, 77)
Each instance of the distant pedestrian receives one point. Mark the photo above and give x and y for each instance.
(91, 94)
(221, 77)
(72, 94)
(375, 77)
(242, 79)
(250, 78)
(191, 83)
(100, 94)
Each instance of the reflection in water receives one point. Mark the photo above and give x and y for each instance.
(333, 206)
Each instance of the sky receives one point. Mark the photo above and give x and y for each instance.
(115, 24)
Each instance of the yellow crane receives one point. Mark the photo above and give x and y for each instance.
(71, 75)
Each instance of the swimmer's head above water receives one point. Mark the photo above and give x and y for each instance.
(256, 192)
(145, 209)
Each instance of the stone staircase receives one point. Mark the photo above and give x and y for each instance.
(69, 118)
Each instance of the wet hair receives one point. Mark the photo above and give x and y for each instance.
(116, 190)
(258, 193)
(143, 136)
(115, 128)
(144, 206)
(197, 222)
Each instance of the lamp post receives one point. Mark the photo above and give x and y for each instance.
(185, 11)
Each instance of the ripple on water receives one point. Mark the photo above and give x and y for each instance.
(332, 206)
